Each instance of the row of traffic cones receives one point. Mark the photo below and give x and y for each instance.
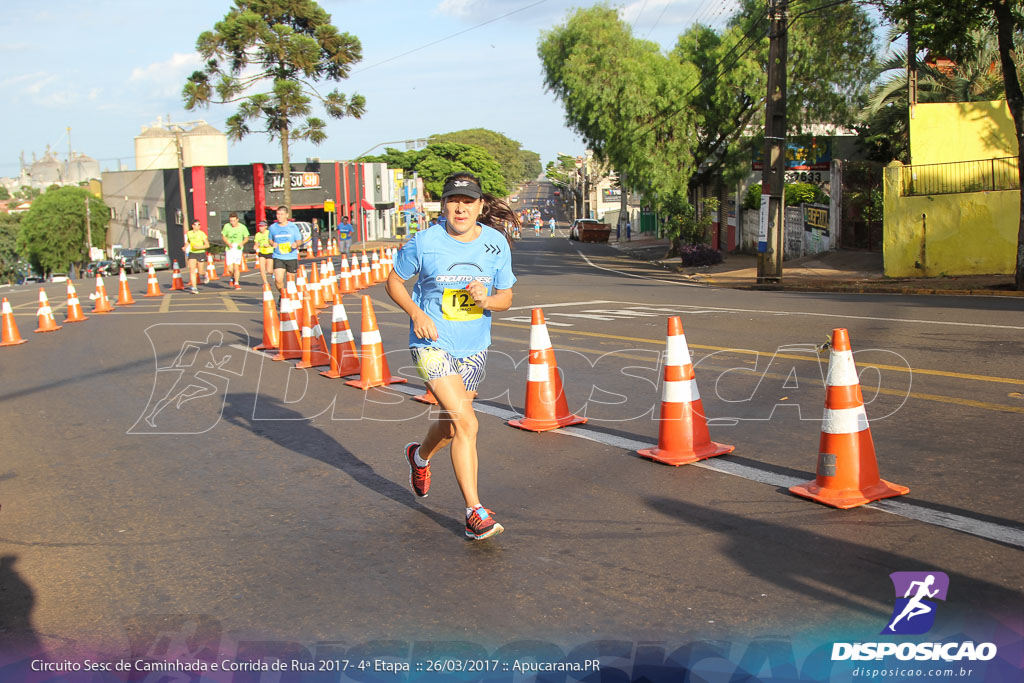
(847, 473)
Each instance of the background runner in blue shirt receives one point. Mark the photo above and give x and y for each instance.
(464, 269)
(286, 238)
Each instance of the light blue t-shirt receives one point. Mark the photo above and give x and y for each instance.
(445, 266)
(286, 233)
(345, 230)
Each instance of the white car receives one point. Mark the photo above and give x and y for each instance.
(306, 230)
(58, 277)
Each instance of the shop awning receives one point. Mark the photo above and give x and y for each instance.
(364, 204)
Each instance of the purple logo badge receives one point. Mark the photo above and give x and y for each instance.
(914, 612)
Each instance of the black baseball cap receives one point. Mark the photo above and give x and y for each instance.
(461, 186)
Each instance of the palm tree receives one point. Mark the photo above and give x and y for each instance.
(885, 116)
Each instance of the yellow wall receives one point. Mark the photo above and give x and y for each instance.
(952, 234)
(961, 131)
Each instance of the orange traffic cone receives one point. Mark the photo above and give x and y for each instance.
(152, 286)
(364, 273)
(344, 357)
(373, 368)
(245, 265)
(683, 429)
(375, 273)
(326, 285)
(124, 295)
(271, 325)
(9, 333)
(74, 310)
(546, 407)
(316, 288)
(225, 272)
(347, 286)
(290, 345)
(177, 284)
(847, 470)
(426, 397)
(389, 262)
(45, 313)
(314, 347)
(211, 271)
(102, 304)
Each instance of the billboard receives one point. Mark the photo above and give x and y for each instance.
(803, 154)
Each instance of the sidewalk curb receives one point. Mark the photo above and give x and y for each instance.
(852, 288)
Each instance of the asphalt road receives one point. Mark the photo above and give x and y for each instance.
(267, 503)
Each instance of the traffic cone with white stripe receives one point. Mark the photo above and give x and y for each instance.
(364, 273)
(152, 286)
(8, 328)
(45, 313)
(373, 366)
(290, 345)
(74, 310)
(344, 357)
(271, 324)
(375, 273)
(211, 270)
(316, 288)
(124, 295)
(347, 285)
(546, 406)
(177, 284)
(102, 304)
(314, 346)
(326, 288)
(683, 428)
(847, 473)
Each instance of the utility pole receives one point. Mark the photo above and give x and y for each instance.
(773, 179)
(911, 76)
(88, 229)
(181, 179)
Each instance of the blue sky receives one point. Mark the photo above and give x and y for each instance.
(108, 67)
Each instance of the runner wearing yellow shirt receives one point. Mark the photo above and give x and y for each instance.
(264, 251)
(197, 243)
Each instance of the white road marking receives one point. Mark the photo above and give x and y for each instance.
(705, 309)
(642, 277)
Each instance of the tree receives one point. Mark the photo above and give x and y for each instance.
(53, 231)
(4, 194)
(438, 160)
(10, 226)
(947, 28)
(830, 64)
(280, 48)
(516, 163)
(616, 92)
(885, 130)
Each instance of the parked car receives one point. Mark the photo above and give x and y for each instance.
(95, 268)
(58, 277)
(126, 259)
(574, 229)
(151, 256)
(306, 229)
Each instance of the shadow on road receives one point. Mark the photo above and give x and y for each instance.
(294, 431)
(18, 640)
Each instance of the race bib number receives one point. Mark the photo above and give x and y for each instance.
(284, 248)
(457, 304)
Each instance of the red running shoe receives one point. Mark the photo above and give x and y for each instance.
(480, 524)
(419, 477)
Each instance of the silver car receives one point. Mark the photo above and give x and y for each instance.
(152, 256)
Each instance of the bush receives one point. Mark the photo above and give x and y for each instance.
(796, 194)
(699, 255)
(752, 198)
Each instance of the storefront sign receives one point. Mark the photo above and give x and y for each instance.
(816, 218)
(301, 180)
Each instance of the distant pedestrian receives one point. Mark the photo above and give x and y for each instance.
(264, 251)
(551, 225)
(345, 230)
(234, 235)
(197, 244)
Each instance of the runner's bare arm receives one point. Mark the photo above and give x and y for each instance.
(501, 300)
(422, 325)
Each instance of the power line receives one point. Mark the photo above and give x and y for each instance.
(449, 37)
(663, 10)
(639, 14)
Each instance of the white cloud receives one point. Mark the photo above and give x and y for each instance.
(14, 80)
(166, 78)
(38, 84)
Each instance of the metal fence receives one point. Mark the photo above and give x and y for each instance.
(986, 175)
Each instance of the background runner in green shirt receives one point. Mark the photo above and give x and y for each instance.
(234, 235)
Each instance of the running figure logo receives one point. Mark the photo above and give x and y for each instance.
(189, 392)
(914, 612)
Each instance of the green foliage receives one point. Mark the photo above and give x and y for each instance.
(4, 194)
(26, 192)
(517, 165)
(795, 194)
(829, 64)
(53, 231)
(280, 49)
(616, 91)
(10, 226)
(438, 160)
(752, 197)
(685, 225)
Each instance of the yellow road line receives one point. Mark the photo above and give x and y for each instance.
(165, 305)
(661, 342)
(229, 304)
